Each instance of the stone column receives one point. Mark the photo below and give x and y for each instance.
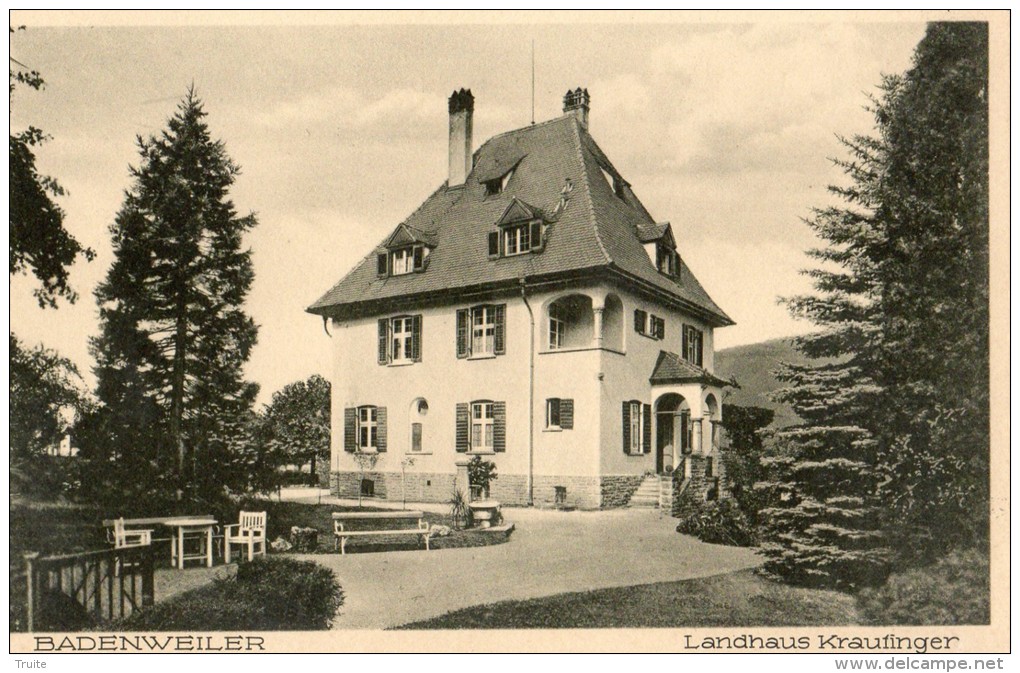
(461, 480)
(598, 325)
(698, 440)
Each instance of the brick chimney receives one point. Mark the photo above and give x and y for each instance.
(462, 107)
(577, 103)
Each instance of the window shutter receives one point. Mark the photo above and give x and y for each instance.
(380, 429)
(640, 319)
(499, 324)
(536, 237)
(684, 339)
(419, 258)
(463, 325)
(567, 414)
(463, 414)
(499, 427)
(626, 428)
(493, 244)
(350, 429)
(416, 338)
(701, 348)
(384, 341)
(381, 266)
(646, 413)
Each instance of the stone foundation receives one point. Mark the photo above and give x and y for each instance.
(705, 481)
(616, 490)
(509, 489)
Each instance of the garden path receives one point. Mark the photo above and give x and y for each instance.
(550, 552)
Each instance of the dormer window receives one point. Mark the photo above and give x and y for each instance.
(666, 260)
(615, 182)
(498, 185)
(521, 229)
(402, 261)
(517, 240)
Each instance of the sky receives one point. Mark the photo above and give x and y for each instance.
(725, 130)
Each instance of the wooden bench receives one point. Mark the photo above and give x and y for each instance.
(341, 521)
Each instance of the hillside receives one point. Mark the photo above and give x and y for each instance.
(753, 367)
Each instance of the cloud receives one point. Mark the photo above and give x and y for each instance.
(347, 108)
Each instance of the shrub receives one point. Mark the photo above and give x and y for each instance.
(719, 522)
(268, 594)
(953, 590)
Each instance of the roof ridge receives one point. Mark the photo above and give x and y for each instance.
(587, 190)
(522, 128)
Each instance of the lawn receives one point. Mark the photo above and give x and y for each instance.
(735, 599)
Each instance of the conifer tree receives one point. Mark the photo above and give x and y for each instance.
(174, 336)
(890, 464)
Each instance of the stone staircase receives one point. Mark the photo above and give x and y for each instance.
(647, 494)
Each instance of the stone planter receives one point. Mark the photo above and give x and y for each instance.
(485, 512)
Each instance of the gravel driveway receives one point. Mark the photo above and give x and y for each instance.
(550, 552)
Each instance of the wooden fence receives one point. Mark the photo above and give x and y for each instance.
(72, 591)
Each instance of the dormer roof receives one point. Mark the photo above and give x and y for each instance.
(518, 211)
(405, 235)
(556, 168)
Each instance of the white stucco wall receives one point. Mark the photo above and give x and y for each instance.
(444, 380)
(596, 380)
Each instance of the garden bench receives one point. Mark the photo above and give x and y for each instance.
(342, 520)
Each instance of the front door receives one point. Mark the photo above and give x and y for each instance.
(664, 440)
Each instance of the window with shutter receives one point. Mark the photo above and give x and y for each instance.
(499, 317)
(384, 341)
(416, 338)
(658, 327)
(350, 429)
(463, 427)
(646, 427)
(367, 428)
(626, 427)
(559, 414)
(380, 436)
(636, 432)
(692, 345)
(463, 333)
(537, 243)
(567, 414)
(482, 426)
(640, 321)
(499, 427)
(552, 413)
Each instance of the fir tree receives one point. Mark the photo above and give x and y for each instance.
(890, 464)
(174, 337)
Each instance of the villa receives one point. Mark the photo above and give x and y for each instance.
(530, 311)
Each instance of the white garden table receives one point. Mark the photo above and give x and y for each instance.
(191, 527)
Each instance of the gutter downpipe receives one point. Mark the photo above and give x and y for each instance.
(531, 398)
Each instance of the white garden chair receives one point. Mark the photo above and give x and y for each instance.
(124, 538)
(249, 531)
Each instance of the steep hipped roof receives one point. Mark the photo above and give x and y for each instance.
(671, 368)
(595, 232)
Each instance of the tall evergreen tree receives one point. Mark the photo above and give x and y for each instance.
(174, 336)
(890, 465)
